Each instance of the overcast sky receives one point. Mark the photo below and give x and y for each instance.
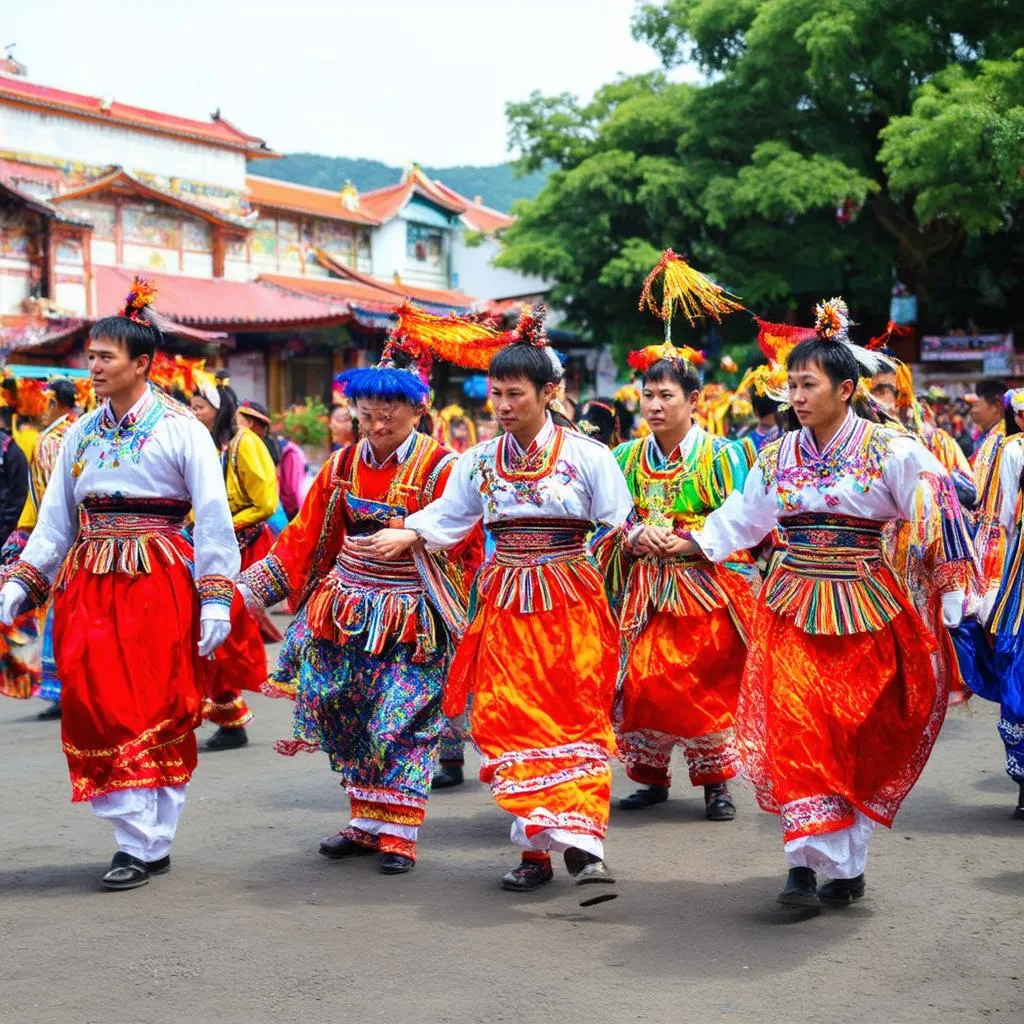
(395, 80)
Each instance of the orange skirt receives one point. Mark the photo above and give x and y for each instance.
(832, 723)
(126, 646)
(682, 682)
(542, 683)
(240, 663)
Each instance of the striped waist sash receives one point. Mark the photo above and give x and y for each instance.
(827, 576)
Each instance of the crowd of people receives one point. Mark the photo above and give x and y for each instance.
(790, 584)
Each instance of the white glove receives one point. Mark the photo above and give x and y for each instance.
(952, 609)
(212, 633)
(988, 602)
(248, 596)
(12, 598)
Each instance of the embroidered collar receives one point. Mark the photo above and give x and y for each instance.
(542, 438)
(396, 458)
(131, 417)
(809, 447)
(658, 459)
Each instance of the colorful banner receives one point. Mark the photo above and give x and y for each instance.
(947, 348)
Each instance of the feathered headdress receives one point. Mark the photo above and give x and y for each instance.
(140, 298)
(684, 290)
(832, 323)
(643, 359)
(402, 375)
(178, 373)
(25, 396)
(1014, 400)
(466, 341)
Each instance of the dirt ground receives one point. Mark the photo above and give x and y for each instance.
(252, 926)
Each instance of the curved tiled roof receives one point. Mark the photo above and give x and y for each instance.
(272, 194)
(216, 131)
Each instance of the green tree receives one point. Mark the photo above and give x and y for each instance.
(825, 151)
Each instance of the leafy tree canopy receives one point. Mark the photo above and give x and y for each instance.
(832, 147)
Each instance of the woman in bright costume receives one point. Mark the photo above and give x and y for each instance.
(374, 637)
(840, 704)
(684, 622)
(251, 480)
(540, 657)
(136, 607)
(1000, 674)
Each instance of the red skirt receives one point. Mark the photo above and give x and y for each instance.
(832, 723)
(542, 683)
(126, 646)
(240, 663)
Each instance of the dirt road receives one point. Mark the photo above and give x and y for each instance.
(253, 926)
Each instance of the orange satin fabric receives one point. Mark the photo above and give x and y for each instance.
(829, 721)
(126, 646)
(543, 680)
(684, 671)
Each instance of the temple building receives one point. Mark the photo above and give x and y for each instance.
(282, 283)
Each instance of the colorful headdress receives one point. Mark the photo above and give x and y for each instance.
(25, 396)
(178, 373)
(1014, 400)
(466, 341)
(140, 298)
(207, 386)
(684, 290)
(776, 341)
(832, 323)
(643, 359)
(402, 375)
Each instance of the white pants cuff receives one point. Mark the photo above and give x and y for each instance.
(842, 854)
(555, 840)
(385, 828)
(144, 820)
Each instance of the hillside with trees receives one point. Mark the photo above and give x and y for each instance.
(498, 184)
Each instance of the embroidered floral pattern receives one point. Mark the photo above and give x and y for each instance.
(117, 441)
(858, 452)
(814, 815)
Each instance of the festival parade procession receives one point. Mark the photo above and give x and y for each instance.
(601, 602)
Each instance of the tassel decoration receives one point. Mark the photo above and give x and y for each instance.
(685, 290)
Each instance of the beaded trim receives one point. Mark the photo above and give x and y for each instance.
(216, 590)
(36, 585)
(267, 580)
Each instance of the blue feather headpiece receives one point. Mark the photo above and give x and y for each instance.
(402, 375)
(385, 383)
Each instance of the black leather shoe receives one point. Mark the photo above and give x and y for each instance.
(1019, 812)
(585, 868)
(648, 796)
(529, 875)
(51, 713)
(395, 864)
(801, 889)
(718, 805)
(841, 892)
(227, 739)
(448, 777)
(128, 872)
(340, 846)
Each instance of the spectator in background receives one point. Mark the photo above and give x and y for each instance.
(988, 412)
(291, 475)
(342, 426)
(13, 478)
